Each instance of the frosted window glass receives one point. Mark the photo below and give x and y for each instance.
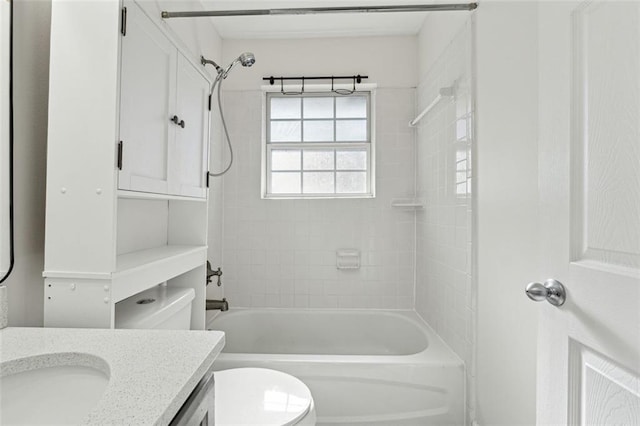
(351, 182)
(351, 107)
(318, 182)
(318, 107)
(461, 129)
(318, 145)
(285, 131)
(351, 160)
(285, 183)
(351, 130)
(318, 131)
(285, 159)
(285, 108)
(318, 160)
(461, 189)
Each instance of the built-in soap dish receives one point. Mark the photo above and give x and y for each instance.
(348, 259)
(408, 203)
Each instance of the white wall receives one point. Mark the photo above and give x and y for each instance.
(5, 10)
(388, 61)
(31, 79)
(507, 179)
(31, 88)
(281, 253)
(445, 286)
(437, 32)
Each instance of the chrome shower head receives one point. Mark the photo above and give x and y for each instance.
(247, 59)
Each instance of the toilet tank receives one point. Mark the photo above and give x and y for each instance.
(160, 307)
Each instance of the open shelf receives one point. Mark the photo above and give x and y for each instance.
(136, 195)
(140, 270)
(408, 203)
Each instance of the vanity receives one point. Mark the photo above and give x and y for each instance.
(102, 376)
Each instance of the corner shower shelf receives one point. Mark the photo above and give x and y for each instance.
(140, 270)
(408, 203)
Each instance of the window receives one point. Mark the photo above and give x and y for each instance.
(318, 145)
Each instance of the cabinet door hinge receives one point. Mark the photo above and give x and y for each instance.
(120, 155)
(209, 102)
(123, 21)
(207, 177)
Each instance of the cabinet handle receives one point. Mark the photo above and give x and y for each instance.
(177, 121)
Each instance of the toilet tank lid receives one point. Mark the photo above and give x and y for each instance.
(151, 307)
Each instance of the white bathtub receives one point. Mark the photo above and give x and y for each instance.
(362, 367)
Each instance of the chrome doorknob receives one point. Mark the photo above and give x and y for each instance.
(552, 291)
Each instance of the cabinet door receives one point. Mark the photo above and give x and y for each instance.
(147, 101)
(191, 150)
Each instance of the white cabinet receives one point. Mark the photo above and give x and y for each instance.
(116, 228)
(164, 124)
(191, 148)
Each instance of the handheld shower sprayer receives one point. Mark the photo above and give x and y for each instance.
(246, 59)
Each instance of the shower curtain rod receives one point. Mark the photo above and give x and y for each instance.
(323, 10)
(357, 78)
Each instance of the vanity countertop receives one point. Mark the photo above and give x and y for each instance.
(151, 372)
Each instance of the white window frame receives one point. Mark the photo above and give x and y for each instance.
(267, 146)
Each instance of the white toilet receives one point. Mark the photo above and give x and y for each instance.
(260, 397)
(243, 396)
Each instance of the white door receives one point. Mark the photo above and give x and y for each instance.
(147, 102)
(191, 149)
(589, 167)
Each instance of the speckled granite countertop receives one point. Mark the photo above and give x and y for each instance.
(151, 372)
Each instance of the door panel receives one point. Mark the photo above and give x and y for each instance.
(589, 349)
(147, 101)
(601, 392)
(605, 142)
(191, 145)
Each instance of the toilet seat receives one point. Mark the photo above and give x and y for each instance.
(259, 396)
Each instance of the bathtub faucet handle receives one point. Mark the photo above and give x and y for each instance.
(212, 273)
(219, 274)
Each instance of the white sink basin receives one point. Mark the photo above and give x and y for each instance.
(51, 394)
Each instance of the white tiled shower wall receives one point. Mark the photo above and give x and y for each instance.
(282, 253)
(445, 290)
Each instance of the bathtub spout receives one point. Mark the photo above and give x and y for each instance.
(222, 305)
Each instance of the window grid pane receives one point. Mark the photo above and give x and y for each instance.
(318, 131)
(286, 131)
(318, 160)
(285, 182)
(285, 108)
(285, 160)
(318, 107)
(351, 107)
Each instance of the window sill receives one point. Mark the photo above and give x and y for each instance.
(318, 197)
